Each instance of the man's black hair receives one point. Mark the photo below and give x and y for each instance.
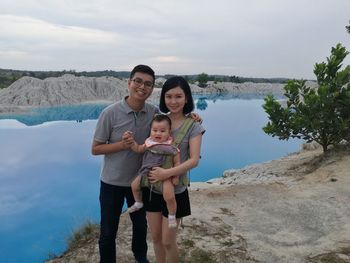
(143, 69)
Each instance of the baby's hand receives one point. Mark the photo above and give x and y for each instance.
(128, 139)
(127, 133)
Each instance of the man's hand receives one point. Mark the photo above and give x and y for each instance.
(128, 139)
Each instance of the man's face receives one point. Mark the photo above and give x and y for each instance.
(140, 86)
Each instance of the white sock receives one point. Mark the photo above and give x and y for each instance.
(138, 205)
(171, 217)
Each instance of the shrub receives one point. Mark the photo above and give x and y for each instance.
(319, 114)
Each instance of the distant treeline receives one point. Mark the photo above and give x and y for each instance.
(225, 78)
(8, 76)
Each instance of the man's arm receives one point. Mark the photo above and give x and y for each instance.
(99, 148)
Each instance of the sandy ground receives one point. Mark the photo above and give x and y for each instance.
(301, 214)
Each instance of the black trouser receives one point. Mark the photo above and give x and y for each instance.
(111, 203)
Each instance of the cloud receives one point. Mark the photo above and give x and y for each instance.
(13, 54)
(11, 124)
(14, 162)
(47, 46)
(166, 59)
(11, 204)
(25, 29)
(247, 38)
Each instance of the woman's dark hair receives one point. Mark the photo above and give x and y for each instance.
(143, 69)
(160, 118)
(172, 83)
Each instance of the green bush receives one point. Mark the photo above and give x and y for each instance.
(202, 80)
(319, 114)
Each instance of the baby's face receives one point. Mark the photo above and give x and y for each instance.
(160, 131)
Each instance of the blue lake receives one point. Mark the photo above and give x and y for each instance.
(49, 181)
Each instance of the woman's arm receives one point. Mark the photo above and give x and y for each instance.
(160, 174)
(176, 159)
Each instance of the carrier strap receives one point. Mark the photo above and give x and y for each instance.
(178, 139)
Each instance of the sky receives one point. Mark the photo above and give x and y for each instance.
(247, 38)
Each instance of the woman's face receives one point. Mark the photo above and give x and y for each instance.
(175, 100)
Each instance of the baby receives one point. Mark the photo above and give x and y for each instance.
(155, 149)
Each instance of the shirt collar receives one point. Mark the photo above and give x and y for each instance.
(127, 108)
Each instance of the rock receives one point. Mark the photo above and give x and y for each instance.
(67, 89)
(311, 146)
(70, 89)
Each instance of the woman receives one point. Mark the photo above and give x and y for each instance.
(175, 100)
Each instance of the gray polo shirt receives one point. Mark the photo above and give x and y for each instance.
(121, 168)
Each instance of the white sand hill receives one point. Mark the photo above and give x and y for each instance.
(30, 92)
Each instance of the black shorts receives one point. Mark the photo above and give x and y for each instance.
(157, 204)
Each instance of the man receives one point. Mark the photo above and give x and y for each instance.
(120, 164)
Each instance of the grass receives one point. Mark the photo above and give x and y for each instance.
(226, 211)
(331, 257)
(86, 233)
(188, 243)
(80, 236)
(197, 255)
(51, 255)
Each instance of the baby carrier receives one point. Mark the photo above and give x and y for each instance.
(183, 180)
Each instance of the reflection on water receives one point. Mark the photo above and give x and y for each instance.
(49, 181)
(48, 186)
(83, 112)
(58, 113)
(201, 104)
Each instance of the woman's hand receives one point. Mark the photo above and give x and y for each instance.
(157, 174)
(196, 117)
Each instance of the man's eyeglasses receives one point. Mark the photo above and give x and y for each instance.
(138, 82)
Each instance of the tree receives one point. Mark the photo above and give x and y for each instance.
(202, 80)
(320, 114)
(202, 104)
(348, 27)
